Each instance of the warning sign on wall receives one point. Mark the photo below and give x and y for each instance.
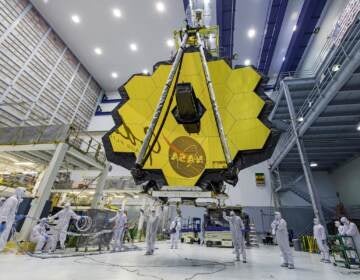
(260, 179)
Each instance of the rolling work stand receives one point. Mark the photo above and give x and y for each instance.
(342, 252)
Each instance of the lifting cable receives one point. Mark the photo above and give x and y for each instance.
(156, 137)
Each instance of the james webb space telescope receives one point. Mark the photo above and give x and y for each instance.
(194, 123)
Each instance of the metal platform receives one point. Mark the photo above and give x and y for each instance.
(38, 144)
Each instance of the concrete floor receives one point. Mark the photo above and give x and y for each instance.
(188, 262)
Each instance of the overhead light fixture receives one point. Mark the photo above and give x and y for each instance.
(160, 7)
(114, 75)
(336, 68)
(145, 71)
(133, 47)
(251, 33)
(283, 59)
(98, 51)
(300, 119)
(247, 62)
(117, 13)
(294, 28)
(25, 163)
(358, 127)
(313, 164)
(206, 2)
(75, 18)
(170, 43)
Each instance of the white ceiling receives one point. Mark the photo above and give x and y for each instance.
(250, 14)
(140, 23)
(291, 17)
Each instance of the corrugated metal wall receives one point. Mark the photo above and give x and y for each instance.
(41, 81)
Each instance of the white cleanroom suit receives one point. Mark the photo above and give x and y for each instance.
(39, 235)
(320, 237)
(237, 227)
(339, 227)
(350, 229)
(120, 220)
(60, 231)
(175, 229)
(279, 229)
(8, 214)
(152, 223)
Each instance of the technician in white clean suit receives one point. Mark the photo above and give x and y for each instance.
(152, 223)
(320, 237)
(39, 235)
(237, 227)
(352, 230)
(175, 229)
(339, 227)
(8, 214)
(120, 220)
(279, 229)
(60, 231)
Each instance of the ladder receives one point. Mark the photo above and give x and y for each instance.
(253, 240)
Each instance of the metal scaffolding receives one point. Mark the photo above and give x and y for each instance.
(313, 112)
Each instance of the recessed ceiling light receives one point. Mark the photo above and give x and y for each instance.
(45, 1)
(117, 13)
(75, 18)
(160, 7)
(133, 47)
(170, 43)
(98, 51)
(145, 71)
(114, 75)
(206, 2)
(300, 119)
(247, 62)
(294, 28)
(358, 127)
(251, 33)
(313, 164)
(283, 59)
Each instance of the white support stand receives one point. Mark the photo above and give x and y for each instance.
(44, 189)
(100, 185)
